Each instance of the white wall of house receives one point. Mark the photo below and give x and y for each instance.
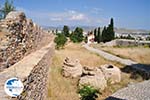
(90, 39)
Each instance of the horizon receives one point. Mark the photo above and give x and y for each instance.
(126, 14)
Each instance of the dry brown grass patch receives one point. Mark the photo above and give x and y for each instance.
(138, 54)
(61, 88)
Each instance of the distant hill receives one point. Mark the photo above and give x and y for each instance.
(89, 28)
(85, 28)
(124, 30)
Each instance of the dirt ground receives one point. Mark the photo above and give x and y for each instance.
(61, 88)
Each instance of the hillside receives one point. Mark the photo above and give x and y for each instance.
(89, 28)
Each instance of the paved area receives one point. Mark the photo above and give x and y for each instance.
(109, 56)
(139, 91)
(21, 69)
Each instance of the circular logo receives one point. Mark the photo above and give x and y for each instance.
(13, 87)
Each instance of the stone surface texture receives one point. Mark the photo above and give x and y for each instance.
(72, 68)
(111, 73)
(21, 37)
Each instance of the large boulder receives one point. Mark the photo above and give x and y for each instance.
(111, 73)
(16, 15)
(93, 77)
(72, 68)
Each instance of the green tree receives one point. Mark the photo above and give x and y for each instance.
(88, 93)
(99, 35)
(111, 29)
(56, 31)
(104, 34)
(95, 35)
(108, 33)
(77, 35)
(8, 7)
(60, 41)
(65, 31)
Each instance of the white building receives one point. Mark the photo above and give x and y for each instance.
(90, 39)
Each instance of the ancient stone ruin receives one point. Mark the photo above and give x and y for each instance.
(21, 37)
(72, 68)
(25, 52)
(111, 73)
(98, 77)
(93, 77)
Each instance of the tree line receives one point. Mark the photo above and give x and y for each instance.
(75, 36)
(106, 35)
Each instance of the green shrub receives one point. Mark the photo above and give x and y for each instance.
(60, 41)
(88, 93)
(77, 35)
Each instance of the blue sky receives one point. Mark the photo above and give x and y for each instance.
(133, 14)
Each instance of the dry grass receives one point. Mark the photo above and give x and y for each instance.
(138, 54)
(61, 88)
(86, 58)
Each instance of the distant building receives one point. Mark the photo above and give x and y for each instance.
(136, 36)
(90, 38)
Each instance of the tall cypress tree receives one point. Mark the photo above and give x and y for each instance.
(112, 29)
(108, 33)
(104, 34)
(95, 35)
(99, 35)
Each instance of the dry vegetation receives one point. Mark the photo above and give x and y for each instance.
(138, 54)
(61, 88)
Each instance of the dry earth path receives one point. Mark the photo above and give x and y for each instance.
(109, 56)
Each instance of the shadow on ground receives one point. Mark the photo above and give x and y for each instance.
(137, 70)
(113, 98)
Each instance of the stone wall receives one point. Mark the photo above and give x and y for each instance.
(33, 71)
(21, 37)
(35, 85)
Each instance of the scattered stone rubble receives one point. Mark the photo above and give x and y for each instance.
(98, 77)
(21, 37)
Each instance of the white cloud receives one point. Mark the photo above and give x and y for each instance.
(77, 17)
(96, 10)
(69, 17)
